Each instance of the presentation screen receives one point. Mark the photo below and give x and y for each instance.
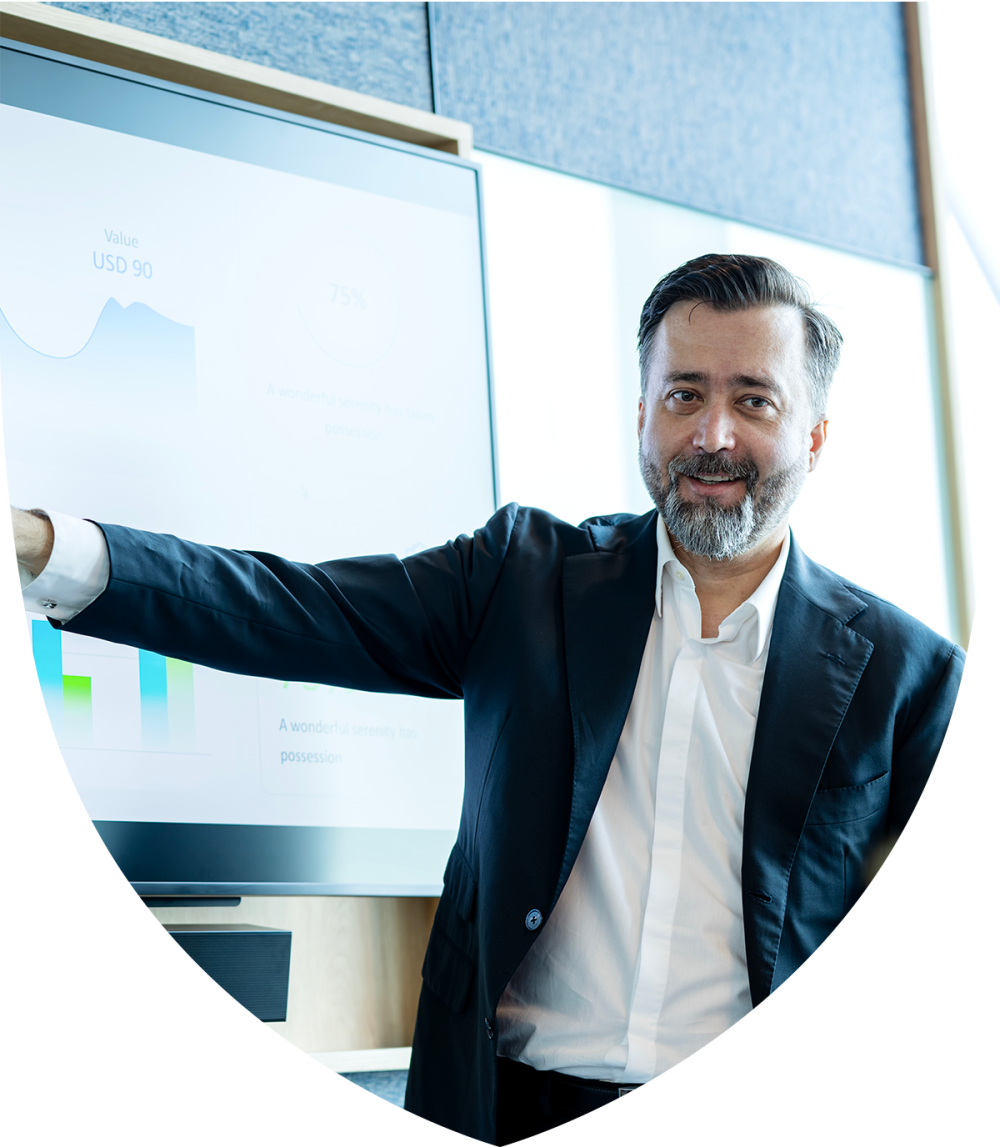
(258, 331)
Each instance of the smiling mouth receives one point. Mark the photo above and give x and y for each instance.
(712, 471)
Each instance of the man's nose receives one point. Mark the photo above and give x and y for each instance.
(715, 429)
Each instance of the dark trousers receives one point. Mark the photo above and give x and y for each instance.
(529, 1101)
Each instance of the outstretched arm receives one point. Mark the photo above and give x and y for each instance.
(378, 623)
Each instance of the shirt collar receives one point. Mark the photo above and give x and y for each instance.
(761, 602)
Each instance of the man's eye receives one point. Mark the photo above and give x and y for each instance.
(755, 402)
(684, 395)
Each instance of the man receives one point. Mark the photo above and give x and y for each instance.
(684, 740)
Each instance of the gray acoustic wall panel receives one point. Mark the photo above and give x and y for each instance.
(379, 49)
(790, 115)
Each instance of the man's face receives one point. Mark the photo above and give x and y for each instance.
(726, 430)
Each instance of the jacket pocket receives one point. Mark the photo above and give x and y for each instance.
(852, 802)
(447, 971)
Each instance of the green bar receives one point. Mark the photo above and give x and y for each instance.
(180, 705)
(78, 716)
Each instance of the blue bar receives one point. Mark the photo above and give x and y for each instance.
(46, 645)
(153, 700)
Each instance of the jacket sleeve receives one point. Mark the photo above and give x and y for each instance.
(915, 756)
(375, 623)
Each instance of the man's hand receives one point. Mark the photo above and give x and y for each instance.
(33, 538)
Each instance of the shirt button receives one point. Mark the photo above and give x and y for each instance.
(533, 919)
(678, 575)
(48, 604)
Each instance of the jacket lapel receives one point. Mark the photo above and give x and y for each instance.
(814, 664)
(607, 607)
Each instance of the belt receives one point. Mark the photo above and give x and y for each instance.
(586, 1094)
(530, 1102)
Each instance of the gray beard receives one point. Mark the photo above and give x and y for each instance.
(708, 530)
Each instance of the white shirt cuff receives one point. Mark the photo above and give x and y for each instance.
(77, 572)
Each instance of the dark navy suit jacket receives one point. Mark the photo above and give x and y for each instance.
(540, 626)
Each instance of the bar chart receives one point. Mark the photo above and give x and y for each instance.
(164, 695)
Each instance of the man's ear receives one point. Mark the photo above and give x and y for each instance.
(642, 416)
(817, 439)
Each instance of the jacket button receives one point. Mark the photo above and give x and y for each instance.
(489, 1028)
(533, 919)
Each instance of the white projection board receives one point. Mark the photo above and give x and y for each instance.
(257, 331)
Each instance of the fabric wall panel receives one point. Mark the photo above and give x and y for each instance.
(786, 114)
(378, 49)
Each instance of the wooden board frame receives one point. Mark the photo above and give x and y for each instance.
(933, 216)
(155, 56)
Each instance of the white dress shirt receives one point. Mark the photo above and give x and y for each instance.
(642, 961)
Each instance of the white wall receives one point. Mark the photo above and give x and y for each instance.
(570, 263)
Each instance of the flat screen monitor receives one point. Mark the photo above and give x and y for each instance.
(254, 330)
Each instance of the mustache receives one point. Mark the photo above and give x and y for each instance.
(713, 464)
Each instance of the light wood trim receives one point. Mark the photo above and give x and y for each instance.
(163, 59)
(933, 216)
(920, 110)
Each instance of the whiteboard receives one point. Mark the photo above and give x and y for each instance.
(251, 331)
